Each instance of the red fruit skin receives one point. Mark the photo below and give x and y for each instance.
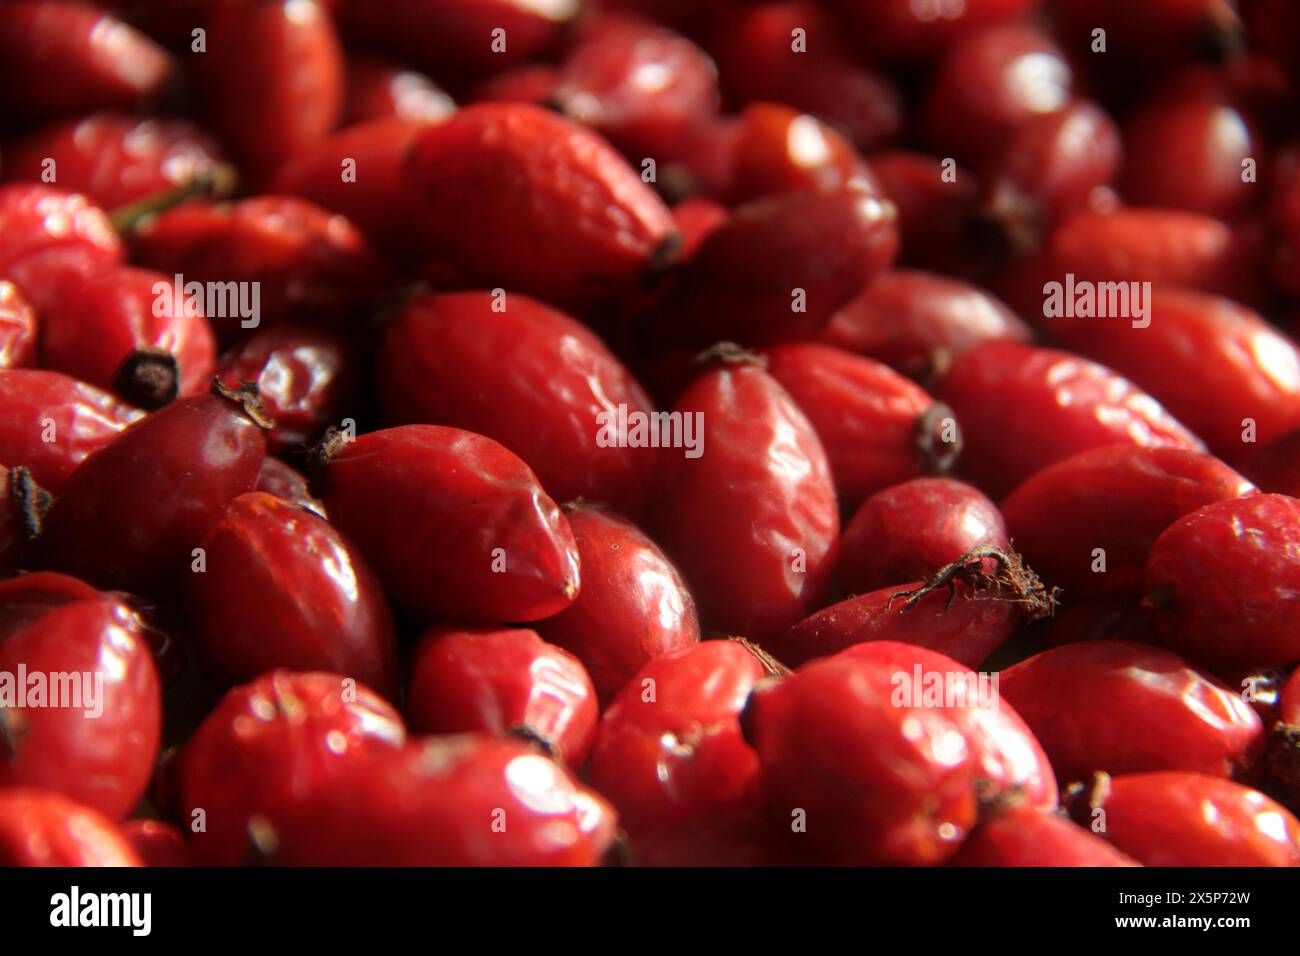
(1160, 712)
(42, 828)
(1288, 708)
(271, 80)
(1159, 246)
(102, 752)
(1185, 146)
(265, 748)
(1049, 169)
(902, 30)
(741, 285)
(303, 375)
(436, 510)
(45, 230)
(380, 90)
(113, 158)
(1009, 762)
(1024, 836)
(376, 201)
(675, 759)
(779, 149)
(758, 60)
(582, 223)
(313, 267)
(972, 629)
(1023, 408)
(634, 605)
(1224, 579)
(534, 83)
(529, 377)
(17, 328)
(637, 84)
(764, 561)
(990, 83)
(905, 317)
(1210, 361)
(874, 424)
(1173, 818)
(281, 588)
(285, 481)
(911, 530)
(130, 514)
(934, 211)
(435, 803)
(67, 58)
(448, 37)
(100, 320)
(502, 681)
(1275, 466)
(1118, 498)
(879, 784)
(80, 419)
(157, 843)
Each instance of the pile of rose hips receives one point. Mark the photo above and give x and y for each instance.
(311, 469)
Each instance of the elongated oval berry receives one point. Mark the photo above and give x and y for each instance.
(130, 514)
(305, 377)
(1087, 523)
(1216, 365)
(17, 328)
(1175, 818)
(528, 376)
(990, 83)
(441, 801)
(502, 681)
(296, 261)
(1023, 408)
(452, 522)
(914, 321)
(115, 330)
(279, 587)
(779, 268)
(582, 224)
(633, 607)
(911, 530)
(1157, 245)
(670, 756)
(762, 561)
(779, 149)
(889, 785)
(456, 35)
(1024, 836)
(265, 748)
(1160, 713)
(271, 79)
(970, 628)
(1224, 579)
(43, 828)
(93, 738)
(636, 84)
(877, 427)
(66, 58)
(51, 422)
(114, 158)
(1185, 146)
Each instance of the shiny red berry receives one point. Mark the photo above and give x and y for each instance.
(1025, 836)
(452, 522)
(42, 828)
(17, 328)
(502, 681)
